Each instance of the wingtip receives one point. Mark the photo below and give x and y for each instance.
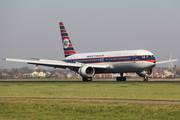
(4, 58)
(175, 60)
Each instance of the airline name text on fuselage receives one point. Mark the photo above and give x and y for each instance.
(95, 56)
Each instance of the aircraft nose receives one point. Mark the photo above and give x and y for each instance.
(154, 61)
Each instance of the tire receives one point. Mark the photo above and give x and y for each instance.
(86, 79)
(145, 79)
(121, 78)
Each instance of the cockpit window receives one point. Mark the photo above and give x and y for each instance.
(147, 56)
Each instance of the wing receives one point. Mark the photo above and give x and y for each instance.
(167, 61)
(56, 64)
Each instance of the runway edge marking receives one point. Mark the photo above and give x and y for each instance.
(97, 100)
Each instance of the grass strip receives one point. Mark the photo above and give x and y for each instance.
(109, 91)
(45, 109)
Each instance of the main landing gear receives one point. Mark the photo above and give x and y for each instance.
(121, 78)
(87, 79)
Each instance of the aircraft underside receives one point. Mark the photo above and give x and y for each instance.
(143, 69)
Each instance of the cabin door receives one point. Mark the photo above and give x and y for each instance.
(102, 59)
(134, 58)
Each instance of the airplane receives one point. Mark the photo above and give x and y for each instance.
(88, 64)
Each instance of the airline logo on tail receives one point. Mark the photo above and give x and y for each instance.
(67, 45)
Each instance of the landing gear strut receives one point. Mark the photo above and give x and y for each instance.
(87, 79)
(145, 78)
(121, 78)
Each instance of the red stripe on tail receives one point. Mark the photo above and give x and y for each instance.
(69, 52)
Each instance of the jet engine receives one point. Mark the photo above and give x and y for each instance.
(145, 73)
(86, 71)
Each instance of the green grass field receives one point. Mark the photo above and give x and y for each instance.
(75, 110)
(54, 109)
(115, 91)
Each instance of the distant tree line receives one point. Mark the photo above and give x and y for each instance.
(26, 70)
(23, 70)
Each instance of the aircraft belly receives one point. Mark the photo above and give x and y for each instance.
(126, 67)
(133, 66)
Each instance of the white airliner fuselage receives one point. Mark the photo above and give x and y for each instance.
(117, 61)
(89, 64)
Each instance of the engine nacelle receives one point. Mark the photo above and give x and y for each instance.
(86, 71)
(144, 73)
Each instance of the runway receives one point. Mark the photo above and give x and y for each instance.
(91, 81)
(123, 101)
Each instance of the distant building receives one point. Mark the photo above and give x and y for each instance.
(26, 75)
(16, 75)
(168, 73)
(103, 76)
(34, 74)
(38, 74)
(58, 75)
(42, 74)
(5, 75)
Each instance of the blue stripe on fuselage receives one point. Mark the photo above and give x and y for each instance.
(109, 59)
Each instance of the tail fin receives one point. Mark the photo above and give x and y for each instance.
(67, 45)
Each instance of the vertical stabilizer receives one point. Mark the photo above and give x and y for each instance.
(67, 45)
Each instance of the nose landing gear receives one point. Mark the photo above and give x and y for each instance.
(145, 78)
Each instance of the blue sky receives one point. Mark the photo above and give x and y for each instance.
(30, 28)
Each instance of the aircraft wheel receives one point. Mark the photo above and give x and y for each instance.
(121, 78)
(87, 79)
(145, 78)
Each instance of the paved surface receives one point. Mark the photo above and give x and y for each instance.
(124, 101)
(95, 81)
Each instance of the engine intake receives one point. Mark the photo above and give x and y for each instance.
(86, 71)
